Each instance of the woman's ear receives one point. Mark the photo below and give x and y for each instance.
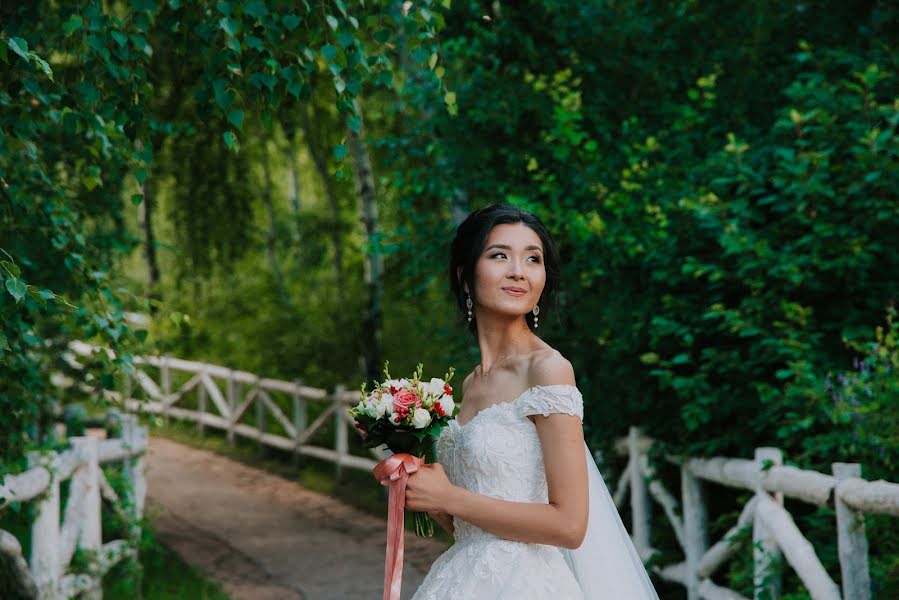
(459, 278)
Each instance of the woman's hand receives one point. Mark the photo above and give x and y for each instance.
(444, 519)
(428, 489)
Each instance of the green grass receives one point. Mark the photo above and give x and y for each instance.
(160, 575)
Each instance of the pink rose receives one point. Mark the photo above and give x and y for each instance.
(405, 400)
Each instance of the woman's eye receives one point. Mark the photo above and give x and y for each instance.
(536, 258)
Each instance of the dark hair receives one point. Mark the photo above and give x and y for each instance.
(471, 236)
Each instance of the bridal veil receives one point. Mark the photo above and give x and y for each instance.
(606, 565)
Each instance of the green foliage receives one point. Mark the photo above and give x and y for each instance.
(163, 575)
(92, 96)
(64, 153)
(851, 414)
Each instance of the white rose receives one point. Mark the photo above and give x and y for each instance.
(394, 417)
(392, 382)
(384, 406)
(447, 404)
(436, 386)
(420, 418)
(371, 408)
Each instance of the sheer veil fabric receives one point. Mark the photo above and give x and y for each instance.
(607, 565)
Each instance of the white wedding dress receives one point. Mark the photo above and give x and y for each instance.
(498, 454)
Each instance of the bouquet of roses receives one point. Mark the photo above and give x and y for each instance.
(407, 416)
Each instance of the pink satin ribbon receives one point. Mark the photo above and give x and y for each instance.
(394, 472)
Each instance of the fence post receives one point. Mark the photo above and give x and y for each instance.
(90, 534)
(45, 531)
(201, 403)
(166, 377)
(136, 438)
(232, 404)
(299, 421)
(260, 419)
(341, 444)
(767, 558)
(695, 534)
(640, 508)
(852, 543)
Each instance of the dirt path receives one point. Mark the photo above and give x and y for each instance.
(266, 538)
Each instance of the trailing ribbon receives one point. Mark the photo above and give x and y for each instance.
(394, 472)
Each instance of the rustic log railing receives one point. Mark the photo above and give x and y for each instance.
(236, 394)
(45, 576)
(774, 532)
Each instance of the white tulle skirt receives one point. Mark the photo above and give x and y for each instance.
(480, 566)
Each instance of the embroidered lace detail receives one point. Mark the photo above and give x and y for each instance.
(497, 453)
(547, 399)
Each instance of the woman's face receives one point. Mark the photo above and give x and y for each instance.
(509, 274)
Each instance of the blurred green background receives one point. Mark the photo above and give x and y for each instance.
(275, 184)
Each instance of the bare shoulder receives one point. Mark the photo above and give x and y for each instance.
(549, 367)
(466, 381)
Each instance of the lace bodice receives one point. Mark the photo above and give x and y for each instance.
(498, 454)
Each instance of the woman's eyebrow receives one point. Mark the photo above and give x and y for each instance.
(507, 247)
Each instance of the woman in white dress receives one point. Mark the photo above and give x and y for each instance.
(514, 482)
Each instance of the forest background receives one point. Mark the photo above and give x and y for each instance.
(276, 184)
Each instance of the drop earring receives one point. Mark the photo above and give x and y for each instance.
(469, 303)
(536, 312)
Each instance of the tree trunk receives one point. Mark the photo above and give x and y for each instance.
(374, 264)
(294, 186)
(145, 216)
(271, 238)
(315, 144)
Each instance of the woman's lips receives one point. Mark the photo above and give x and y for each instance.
(512, 292)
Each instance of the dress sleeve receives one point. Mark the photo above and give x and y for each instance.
(547, 399)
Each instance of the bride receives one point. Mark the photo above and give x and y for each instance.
(515, 483)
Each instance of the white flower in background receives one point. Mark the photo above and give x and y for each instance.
(371, 408)
(447, 404)
(435, 387)
(420, 418)
(383, 406)
(392, 382)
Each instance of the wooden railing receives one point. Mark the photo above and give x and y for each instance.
(225, 397)
(44, 575)
(774, 533)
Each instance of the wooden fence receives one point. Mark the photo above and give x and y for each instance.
(224, 397)
(45, 575)
(774, 533)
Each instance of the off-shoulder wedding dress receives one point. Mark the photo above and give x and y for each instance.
(497, 453)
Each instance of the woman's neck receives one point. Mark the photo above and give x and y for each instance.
(500, 342)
